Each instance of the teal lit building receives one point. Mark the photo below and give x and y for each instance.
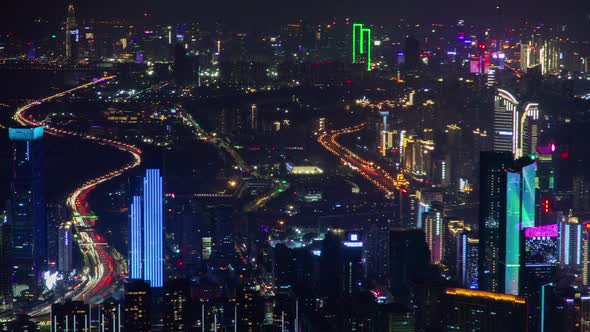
(507, 206)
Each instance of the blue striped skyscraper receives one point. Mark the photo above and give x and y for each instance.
(146, 231)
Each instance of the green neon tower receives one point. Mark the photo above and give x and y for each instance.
(361, 43)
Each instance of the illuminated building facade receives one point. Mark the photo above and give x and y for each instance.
(467, 257)
(352, 259)
(529, 55)
(64, 259)
(138, 301)
(507, 197)
(505, 121)
(472, 310)
(177, 297)
(26, 215)
(72, 34)
(570, 243)
(434, 231)
(361, 45)
(549, 57)
(146, 231)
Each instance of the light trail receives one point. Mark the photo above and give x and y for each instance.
(101, 272)
(383, 180)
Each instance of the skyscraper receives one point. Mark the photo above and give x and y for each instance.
(5, 265)
(506, 110)
(64, 259)
(408, 258)
(433, 229)
(72, 34)
(570, 243)
(27, 208)
(177, 305)
(507, 205)
(146, 231)
(492, 218)
(138, 303)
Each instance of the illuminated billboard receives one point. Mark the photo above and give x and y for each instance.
(541, 231)
(475, 65)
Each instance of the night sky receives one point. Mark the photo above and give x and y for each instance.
(16, 14)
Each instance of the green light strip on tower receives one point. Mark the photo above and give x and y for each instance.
(368, 31)
(354, 27)
(364, 36)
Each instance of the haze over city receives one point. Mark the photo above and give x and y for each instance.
(295, 167)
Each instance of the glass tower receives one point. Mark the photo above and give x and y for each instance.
(27, 208)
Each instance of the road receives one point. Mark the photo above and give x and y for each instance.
(220, 143)
(379, 177)
(102, 274)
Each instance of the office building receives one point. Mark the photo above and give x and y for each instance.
(146, 231)
(138, 303)
(26, 215)
(472, 310)
(70, 316)
(506, 115)
(177, 305)
(72, 34)
(352, 260)
(570, 243)
(507, 196)
(408, 258)
(467, 260)
(434, 231)
(5, 265)
(65, 238)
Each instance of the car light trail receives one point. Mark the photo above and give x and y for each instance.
(101, 271)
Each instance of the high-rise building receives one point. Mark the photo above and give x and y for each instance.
(467, 260)
(70, 316)
(434, 231)
(361, 45)
(138, 303)
(549, 57)
(72, 34)
(377, 250)
(56, 215)
(64, 261)
(408, 258)
(570, 243)
(109, 316)
(412, 53)
(352, 259)
(506, 111)
(177, 305)
(492, 218)
(507, 205)
(516, 125)
(27, 208)
(5, 265)
(581, 193)
(472, 310)
(146, 231)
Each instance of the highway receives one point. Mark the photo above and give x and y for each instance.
(379, 177)
(202, 134)
(102, 274)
